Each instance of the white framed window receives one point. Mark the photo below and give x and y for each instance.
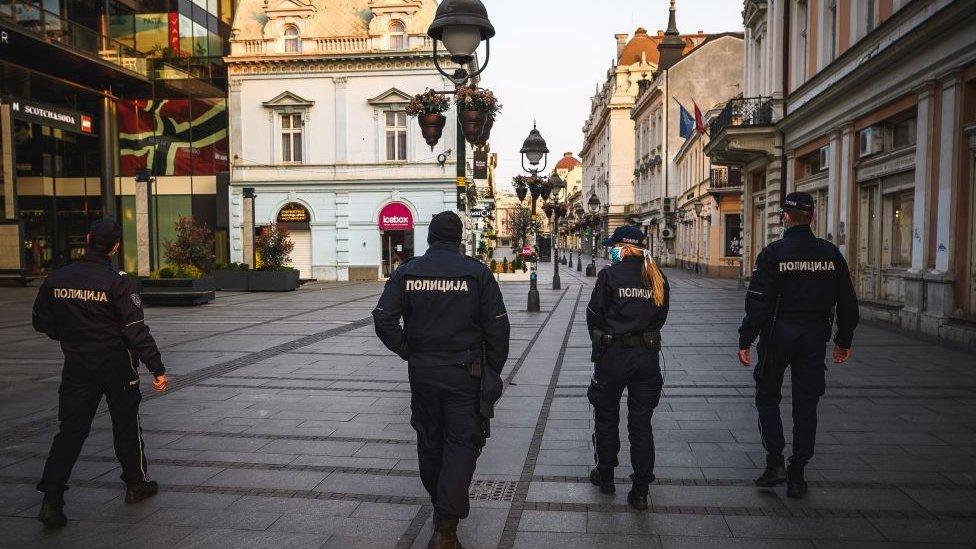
(396, 136)
(802, 41)
(398, 36)
(293, 41)
(829, 32)
(291, 127)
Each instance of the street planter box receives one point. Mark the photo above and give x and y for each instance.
(233, 281)
(513, 277)
(177, 292)
(273, 281)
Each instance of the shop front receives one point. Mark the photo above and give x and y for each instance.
(396, 232)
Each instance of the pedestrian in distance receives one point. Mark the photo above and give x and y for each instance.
(454, 337)
(798, 283)
(627, 310)
(95, 313)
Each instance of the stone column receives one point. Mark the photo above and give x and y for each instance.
(845, 190)
(341, 131)
(922, 209)
(108, 139)
(247, 226)
(144, 242)
(940, 280)
(6, 140)
(836, 163)
(342, 236)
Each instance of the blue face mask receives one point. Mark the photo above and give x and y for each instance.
(615, 255)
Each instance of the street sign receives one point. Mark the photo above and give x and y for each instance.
(481, 213)
(526, 250)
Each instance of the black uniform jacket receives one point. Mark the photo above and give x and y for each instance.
(450, 305)
(621, 304)
(800, 277)
(92, 309)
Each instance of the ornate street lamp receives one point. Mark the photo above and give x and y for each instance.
(534, 149)
(556, 186)
(580, 212)
(461, 25)
(593, 204)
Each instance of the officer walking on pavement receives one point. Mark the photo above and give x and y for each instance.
(627, 310)
(798, 282)
(455, 340)
(96, 314)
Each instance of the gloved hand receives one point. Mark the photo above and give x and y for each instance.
(160, 383)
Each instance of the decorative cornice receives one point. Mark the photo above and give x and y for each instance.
(310, 66)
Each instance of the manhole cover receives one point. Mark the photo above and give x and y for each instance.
(493, 490)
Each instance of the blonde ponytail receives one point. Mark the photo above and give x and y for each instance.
(653, 277)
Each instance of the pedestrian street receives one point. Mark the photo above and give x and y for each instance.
(287, 424)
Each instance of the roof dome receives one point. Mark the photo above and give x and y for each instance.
(643, 43)
(567, 162)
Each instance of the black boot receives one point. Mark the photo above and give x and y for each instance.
(796, 487)
(134, 493)
(52, 510)
(775, 473)
(637, 498)
(603, 478)
(445, 535)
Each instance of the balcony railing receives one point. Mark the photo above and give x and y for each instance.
(726, 178)
(744, 112)
(51, 28)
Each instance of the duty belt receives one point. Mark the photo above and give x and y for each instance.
(650, 340)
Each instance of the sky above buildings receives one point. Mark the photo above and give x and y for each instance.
(549, 55)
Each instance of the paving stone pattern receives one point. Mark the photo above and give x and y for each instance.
(287, 425)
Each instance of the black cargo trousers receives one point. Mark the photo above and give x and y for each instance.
(799, 345)
(638, 370)
(444, 401)
(84, 380)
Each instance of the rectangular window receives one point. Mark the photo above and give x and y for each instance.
(733, 235)
(291, 137)
(903, 133)
(396, 136)
(831, 37)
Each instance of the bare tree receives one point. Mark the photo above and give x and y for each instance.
(519, 226)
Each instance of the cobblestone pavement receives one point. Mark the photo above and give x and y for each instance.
(287, 425)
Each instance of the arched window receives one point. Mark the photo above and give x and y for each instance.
(398, 36)
(293, 43)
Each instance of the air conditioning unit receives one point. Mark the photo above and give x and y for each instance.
(667, 233)
(871, 141)
(824, 157)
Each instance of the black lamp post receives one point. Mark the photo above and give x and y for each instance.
(557, 185)
(535, 150)
(594, 206)
(461, 25)
(579, 248)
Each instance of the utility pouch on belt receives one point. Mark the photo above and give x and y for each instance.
(651, 340)
(476, 368)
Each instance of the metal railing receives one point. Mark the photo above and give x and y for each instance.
(725, 178)
(744, 112)
(51, 28)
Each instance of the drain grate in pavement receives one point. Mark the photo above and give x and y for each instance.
(493, 490)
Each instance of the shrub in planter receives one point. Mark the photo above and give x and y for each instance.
(493, 265)
(194, 245)
(274, 247)
(428, 108)
(179, 285)
(232, 277)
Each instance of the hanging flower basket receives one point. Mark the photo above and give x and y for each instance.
(432, 127)
(486, 131)
(475, 106)
(428, 108)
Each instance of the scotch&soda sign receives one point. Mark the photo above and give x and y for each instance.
(395, 216)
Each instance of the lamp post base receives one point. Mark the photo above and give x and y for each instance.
(591, 269)
(579, 262)
(533, 303)
(556, 282)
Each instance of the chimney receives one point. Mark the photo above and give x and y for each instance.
(672, 47)
(621, 43)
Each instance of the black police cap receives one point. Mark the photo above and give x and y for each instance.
(626, 234)
(445, 227)
(799, 201)
(104, 234)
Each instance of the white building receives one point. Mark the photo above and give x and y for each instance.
(316, 100)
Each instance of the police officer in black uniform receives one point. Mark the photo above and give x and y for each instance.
(798, 282)
(96, 314)
(627, 310)
(455, 332)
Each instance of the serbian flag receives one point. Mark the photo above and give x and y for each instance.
(699, 119)
(687, 122)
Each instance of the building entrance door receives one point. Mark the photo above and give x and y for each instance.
(397, 248)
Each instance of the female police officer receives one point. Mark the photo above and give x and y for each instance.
(627, 310)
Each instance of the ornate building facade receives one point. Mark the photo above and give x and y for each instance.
(317, 97)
